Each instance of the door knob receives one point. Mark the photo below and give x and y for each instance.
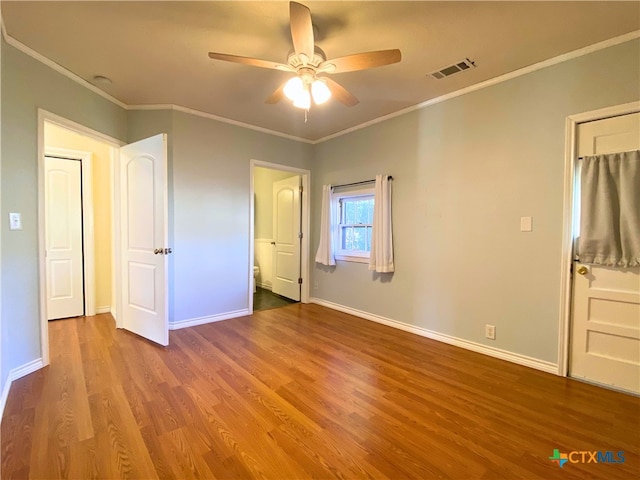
(582, 270)
(157, 251)
(167, 251)
(273, 243)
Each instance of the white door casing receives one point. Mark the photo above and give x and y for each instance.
(286, 236)
(605, 323)
(143, 187)
(63, 238)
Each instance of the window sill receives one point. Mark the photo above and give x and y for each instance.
(352, 258)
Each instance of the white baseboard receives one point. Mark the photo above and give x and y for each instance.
(524, 360)
(192, 322)
(266, 286)
(5, 394)
(100, 310)
(15, 374)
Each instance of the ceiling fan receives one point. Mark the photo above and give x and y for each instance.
(308, 62)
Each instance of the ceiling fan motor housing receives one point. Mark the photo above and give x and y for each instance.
(297, 61)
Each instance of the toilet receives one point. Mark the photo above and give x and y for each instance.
(256, 272)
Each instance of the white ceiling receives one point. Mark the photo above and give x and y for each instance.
(156, 52)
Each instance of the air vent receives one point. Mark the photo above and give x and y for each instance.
(465, 64)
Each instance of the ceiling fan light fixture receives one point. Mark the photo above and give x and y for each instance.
(303, 101)
(320, 92)
(294, 88)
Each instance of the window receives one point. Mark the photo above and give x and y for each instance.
(354, 223)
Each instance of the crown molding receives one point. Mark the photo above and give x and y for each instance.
(217, 118)
(478, 86)
(494, 81)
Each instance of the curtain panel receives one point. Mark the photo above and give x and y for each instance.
(381, 257)
(610, 210)
(324, 254)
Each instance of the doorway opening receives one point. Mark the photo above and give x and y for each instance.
(279, 268)
(76, 223)
(135, 192)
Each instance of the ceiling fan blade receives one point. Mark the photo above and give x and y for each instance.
(301, 29)
(340, 93)
(277, 95)
(255, 62)
(362, 61)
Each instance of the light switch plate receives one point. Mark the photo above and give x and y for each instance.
(15, 221)
(526, 224)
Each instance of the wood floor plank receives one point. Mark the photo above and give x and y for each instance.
(178, 449)
(70, 396)
(301, 392)
(17, 430)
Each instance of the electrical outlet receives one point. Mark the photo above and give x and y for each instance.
(490, 331)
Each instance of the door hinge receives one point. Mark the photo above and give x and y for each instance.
(301, 189)
(300, 235)
(299, 280)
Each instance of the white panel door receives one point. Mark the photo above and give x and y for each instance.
(605, 326)
(143, 185)
(63, 238)
(286, 236)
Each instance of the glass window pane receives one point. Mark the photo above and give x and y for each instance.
(360, 238)
(370, 212)
(357, 210)
(349, 212)
(347, 238)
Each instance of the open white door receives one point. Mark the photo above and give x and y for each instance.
(286, 237)
(143, 186)
(63, 238)
(605, 325)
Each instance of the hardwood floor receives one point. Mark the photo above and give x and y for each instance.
(301, 392)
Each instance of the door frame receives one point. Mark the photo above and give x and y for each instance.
(45, 116)
(571, 128)
(88, 248)
(305, 226)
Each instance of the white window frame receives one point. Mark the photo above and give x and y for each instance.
(347, 255)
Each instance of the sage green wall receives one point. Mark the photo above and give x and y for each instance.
(211, 193)
(465, 171)
(26, 86)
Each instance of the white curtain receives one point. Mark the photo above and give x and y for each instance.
(324, 255)
(381, 258)
(610, 210)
